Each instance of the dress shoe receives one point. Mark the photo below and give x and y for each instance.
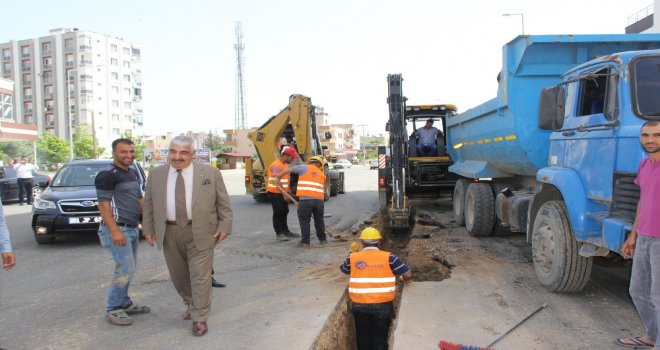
(216, 284)
(199, 328)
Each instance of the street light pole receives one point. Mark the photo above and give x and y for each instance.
(362, 144)
(68, 104)
(522, 19)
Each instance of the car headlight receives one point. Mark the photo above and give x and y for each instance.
(44, 204)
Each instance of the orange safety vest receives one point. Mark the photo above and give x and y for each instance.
(312, 183)
(372, 280)
(284, 181)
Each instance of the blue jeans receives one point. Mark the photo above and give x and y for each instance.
(645, 284)
(125, 258)
(427, 150)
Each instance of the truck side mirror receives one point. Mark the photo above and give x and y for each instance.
(551, 108)
(328, 135)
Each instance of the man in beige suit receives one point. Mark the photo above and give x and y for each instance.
(187, 212)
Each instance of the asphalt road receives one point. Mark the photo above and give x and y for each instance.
(277, 296)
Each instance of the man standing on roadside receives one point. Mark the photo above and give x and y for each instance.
(120, 205)
(643, 243)
(187, 212)
(24, 174)
(275, 196)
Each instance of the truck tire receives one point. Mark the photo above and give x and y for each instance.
(479, 209)
(498, 229)
(341, 189)
(459, 201)
(334, 187)
(555, 252)
(326, 191)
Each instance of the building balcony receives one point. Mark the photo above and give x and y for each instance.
(84, 62)
(48, 96)
(85, 47)
(640, 21)
(25, 55)
(6, 58)
(26, 68)
(28, 111)
(49, 124)
(28, 97)
(86, 91)
(46, 52)
(49, 108)
(48, 66)
(68, 64)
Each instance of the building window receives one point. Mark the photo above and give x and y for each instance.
(127, 91)
(48, 90)
(48, 62)
(27, 107)
(126, 50)
(127, 77)
(48, 77)
(27, 79)
(126, 64)
(50, 106)
(115, 118)
(6, 54)
(127, 118)
(113, 48)
(114, 62)
(25, 51)
(114, 76)
(27, 93)
(115, 103)
(68, 59)
(115, 89)
(25, 65)
(6, 67)
(47, 48)
(6, 110)
(127, 105)
(68, 44)
(115, 131)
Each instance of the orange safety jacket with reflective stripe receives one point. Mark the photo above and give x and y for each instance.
(312, 183)
(284, 181)
(372, 280)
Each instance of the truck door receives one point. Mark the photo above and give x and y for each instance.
(587, 142)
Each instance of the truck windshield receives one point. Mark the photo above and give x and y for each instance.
(646, 87)
(77, 175)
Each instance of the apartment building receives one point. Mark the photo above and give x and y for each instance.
(73, 78)
(10, 129)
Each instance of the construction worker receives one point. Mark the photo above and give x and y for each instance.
(372, 288)
(280, 206)
(310, 191)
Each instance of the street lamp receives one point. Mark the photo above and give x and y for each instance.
(522, 18)
(68, 104)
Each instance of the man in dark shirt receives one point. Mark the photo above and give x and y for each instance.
(120, 205)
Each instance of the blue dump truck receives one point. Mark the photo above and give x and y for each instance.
(555, 154)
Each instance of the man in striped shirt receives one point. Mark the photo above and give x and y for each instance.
(372, 289)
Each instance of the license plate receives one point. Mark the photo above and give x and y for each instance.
(85, 220)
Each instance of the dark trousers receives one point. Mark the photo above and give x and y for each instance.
(306, 209)
(24, 188)
(372, 325)
(280, 212)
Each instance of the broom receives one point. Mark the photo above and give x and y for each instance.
(445, 345)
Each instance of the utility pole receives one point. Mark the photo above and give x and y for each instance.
(239, 111)
(362, 143)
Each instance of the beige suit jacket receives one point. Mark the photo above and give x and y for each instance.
(211, 210)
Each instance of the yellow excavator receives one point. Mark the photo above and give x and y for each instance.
(296, 121)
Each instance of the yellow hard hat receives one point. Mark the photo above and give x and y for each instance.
(318, 159)
(369, 234)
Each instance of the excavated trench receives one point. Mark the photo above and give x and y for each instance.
(425, 261)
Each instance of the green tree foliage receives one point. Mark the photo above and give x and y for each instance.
(15, 149)
(139, 144)
(52, 149)
(83, 144)
(214, 143)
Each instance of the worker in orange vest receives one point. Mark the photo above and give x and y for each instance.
(276, 198)
(372, 288)
(311, 192)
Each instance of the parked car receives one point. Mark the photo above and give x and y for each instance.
(343, 164)
(373, 164)
(9, 184)
(69, 205)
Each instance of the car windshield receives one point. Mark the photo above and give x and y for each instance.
(77, 175)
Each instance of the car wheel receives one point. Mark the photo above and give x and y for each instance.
(36, 192)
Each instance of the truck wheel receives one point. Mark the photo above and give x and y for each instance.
(500, 230)
(334, 187)
(459, 201)
(341, 184)
(327, 191)
(479, 209)
(557, 262)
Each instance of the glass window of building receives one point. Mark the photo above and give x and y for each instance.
(6, 54)
(113, 48)
(115, 103)
(127, 104)
(114, 76)
(47, 48)
(127, 77)
(6, 110)
(114, 62)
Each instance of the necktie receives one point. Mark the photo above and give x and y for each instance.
(180, 201)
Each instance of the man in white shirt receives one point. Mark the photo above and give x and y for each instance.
(24, 172)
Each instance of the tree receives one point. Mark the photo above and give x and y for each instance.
(83, 144)
(15, 149)
(213, 142)
(138, 143)
(52, 149)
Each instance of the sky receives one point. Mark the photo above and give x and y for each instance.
(338, 53)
